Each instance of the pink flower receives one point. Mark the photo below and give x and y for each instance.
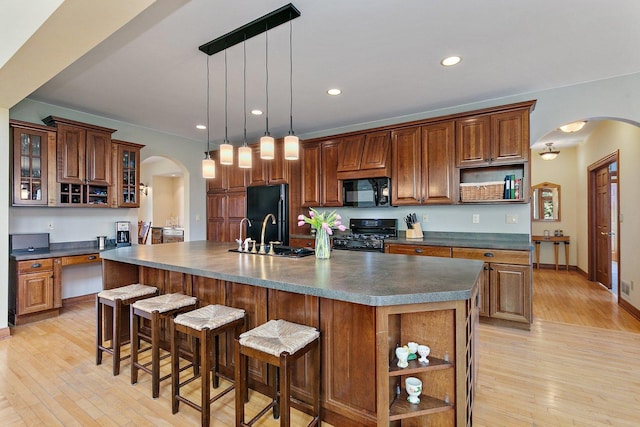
(338, 217)
(326, 228)
(300, 218)
(300, 223)
(337, 222)
(311, 214)
(342, 228)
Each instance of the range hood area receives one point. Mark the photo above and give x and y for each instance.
(365, 156)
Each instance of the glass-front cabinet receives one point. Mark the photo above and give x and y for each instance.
(31, 163)
(127, 172)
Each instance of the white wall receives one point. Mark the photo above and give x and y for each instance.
(4, 220)
(167, 196)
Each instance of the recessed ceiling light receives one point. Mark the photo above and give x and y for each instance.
(256, 112)
(334, 92)
(201, 127)
(450, 60)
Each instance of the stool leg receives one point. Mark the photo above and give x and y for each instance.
(98, 331)
(175, 369)
(205, 380)
(317, 382)
(155, 354)
(285, 390)
(135, 344)
(240, 391)
(115, 340)
(216, 365)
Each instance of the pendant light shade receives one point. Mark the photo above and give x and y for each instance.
(226, 154)
(267, 147)
(226, 149)
(291, 142)
(208, 164)
(244, 157)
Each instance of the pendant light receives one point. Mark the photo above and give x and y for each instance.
(244, 152)
(226, 149)
(208, 164)
(267, 144)
(291, 141)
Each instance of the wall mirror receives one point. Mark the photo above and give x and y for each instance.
(545, 204)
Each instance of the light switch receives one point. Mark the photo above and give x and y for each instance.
(476, 218)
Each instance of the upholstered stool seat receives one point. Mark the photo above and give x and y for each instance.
(204, 324)
(279, 343)
(117, 298)
(154, 309)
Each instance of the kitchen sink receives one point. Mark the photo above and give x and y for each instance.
(283, 251)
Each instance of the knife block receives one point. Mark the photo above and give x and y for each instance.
(415, 232)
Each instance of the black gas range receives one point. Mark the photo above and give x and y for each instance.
(367, 235)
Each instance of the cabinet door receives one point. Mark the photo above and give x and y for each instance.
(331, 194)
(310, 160)
(216, 217)
(483, 291)
(98, 157)
(350, 153)
(236, 179)
(375, 150)
(278, 167)
(510, 136)
(472, 141)
(127, 176)
(30, 167)
(258, 173)
(302, 243)
(219, 183)
(510, 292)
(406, 169)
(236, 210)
(35, 292)
(71, 154)
(437, 163)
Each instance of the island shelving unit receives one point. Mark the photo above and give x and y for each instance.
(364, 304)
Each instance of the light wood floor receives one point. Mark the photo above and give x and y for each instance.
(579, 365)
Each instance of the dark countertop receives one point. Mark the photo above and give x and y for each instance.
(60, 250)
(507, 241)
(370, 278)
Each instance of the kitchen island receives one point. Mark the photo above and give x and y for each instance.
(364, 304)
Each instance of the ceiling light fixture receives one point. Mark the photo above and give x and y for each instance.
(208, 164)
(201, 127)
(451, 60)
(291, 141)
(267, 143)
(549, 153)
(256, 112)
(226, 149)
(244, 152)
(334, 92)
(573, 127)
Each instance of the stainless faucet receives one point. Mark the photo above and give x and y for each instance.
(239, 240)
(264, 225)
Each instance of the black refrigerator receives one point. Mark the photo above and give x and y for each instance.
(264, 200)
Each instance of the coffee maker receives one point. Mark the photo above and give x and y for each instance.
(123, 233)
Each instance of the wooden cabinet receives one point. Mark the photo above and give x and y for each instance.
(269, 172)
(126, 173)
(35, 286)
(364, 156)
(34, 172)
(299, 242)
(423, 250)
(506, 290)
(491, 139)
(422, 171)
(320, 184)
(83, 162)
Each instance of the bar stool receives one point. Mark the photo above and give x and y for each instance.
(205, 325)
(154, 309)
(117, 298)
(279, 343)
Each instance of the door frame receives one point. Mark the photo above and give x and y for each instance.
(591, 196)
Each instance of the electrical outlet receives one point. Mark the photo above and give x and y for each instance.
(425, 218)
(511, 219)
(50, 225)
(476, 218)
(197, 217)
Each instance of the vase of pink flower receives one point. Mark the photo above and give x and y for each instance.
(323, 223)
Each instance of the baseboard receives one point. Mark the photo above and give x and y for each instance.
(78, 299)
(627, 306)
(5, 333)
(583, 273)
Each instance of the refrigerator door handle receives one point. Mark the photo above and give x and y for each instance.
(280, 224)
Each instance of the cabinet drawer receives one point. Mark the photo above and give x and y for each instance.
(422, 250)
(80, 259)
(302, 243)
(494, 255)
(35, 265)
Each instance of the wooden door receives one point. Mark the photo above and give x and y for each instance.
(219, 183)
(236, 178)
(278, 170)
(406, 170)
(375, 150)
(30, 167)
(258, 172)
(35, 292)
(510, 136)
(98, 157)
(236, 210)
(310, 161)
(483, 291)
(216, 224)
(510, 292)
(473, 141)
(350, 153)
(331, 189)
(437, 163)
(603, 226)
(71, 154)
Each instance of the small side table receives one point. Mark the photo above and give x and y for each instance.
(556, 242)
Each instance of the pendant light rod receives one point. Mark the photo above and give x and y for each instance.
(244, 89)
(258, 26)
(290, 80)
(226, 132)
(266, 80)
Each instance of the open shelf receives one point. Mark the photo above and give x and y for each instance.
(401, 408)
(417, 367)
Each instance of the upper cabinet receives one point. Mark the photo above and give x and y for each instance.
(364, 156)
(34, 169)
(269, 172)
(83, 162)
(320, 184)
(493, 139)
(229, 178)
(126, 172)
(423, 165)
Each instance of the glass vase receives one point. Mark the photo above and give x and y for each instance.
(323, 249)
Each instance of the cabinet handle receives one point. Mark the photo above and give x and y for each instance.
(92, 257)
(418, 251)
(36, 265)
(488, 254)
(486, 267)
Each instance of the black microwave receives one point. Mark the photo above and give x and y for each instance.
(366, 193)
